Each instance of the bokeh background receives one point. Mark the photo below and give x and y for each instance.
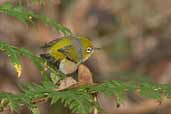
(135, 37)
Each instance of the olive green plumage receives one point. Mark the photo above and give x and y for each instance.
(68, 51)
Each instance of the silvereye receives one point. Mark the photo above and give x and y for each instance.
(68, 52)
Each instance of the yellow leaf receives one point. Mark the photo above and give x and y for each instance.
(18, 69)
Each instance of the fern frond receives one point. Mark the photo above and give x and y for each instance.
(28, 16)
(77, 101)
(35, 110)
(113, 87)
(38, 91)
(118, 88)
(14, 101)
(15, 54)
(80, 100)
(155, 91)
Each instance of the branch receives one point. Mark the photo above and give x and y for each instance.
(146, 107)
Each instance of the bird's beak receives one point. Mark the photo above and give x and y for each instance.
(96, 48)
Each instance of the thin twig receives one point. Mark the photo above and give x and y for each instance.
(95, 109)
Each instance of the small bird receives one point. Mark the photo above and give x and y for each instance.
(68, 52)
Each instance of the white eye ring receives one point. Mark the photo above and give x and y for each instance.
(89, 50)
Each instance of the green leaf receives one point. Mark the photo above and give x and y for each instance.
(77, 101)
(14, 100)
(28, 16)
(35, 59)
(155, 91)
(54, 24)
(35, 110)
(14, 55)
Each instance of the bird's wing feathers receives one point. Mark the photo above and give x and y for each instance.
(49, 44)
(65, 49)
(72, 51)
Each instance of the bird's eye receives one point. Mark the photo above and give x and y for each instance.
(89, 50)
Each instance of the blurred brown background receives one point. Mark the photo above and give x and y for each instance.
(135, 37)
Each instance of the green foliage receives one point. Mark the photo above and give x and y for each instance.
(78, 100)
(119, 88)
(15, 54)
(114, 88)
(35, 110)
(14, 101)
(12, 53)
(155, 91)
(28, 16)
